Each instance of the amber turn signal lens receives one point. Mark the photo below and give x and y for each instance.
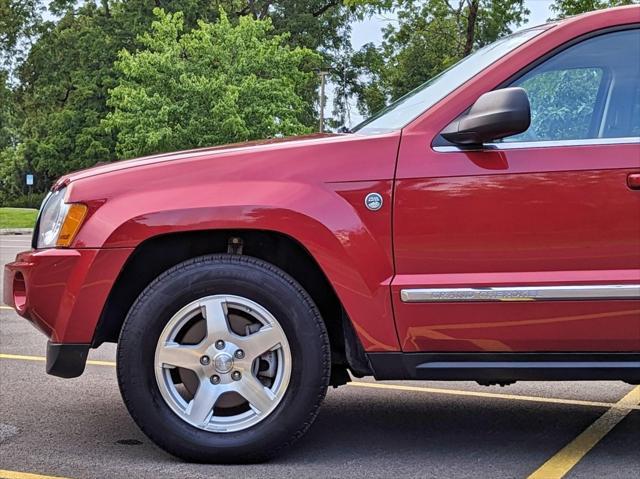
(71, 225)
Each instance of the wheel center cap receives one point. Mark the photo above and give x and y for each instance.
(223, 363)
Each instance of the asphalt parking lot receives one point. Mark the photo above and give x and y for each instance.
(79, 428)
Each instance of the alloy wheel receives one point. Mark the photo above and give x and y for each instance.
(222, 363)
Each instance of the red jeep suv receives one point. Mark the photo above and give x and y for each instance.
(484, 227)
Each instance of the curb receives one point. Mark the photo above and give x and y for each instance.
(15, 231)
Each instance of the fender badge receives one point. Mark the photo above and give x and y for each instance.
(373, 201)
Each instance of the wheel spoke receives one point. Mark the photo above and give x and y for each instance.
(178, 355)
(223, 361)
(200, 407)
(263, 340)
(260, 398)
(215, 313)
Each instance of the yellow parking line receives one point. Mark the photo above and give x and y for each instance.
(398, 387)
(565, 459)
(6, 307)
(21, 357)
(24, 475)
(512, 397)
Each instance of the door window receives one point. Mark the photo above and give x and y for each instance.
(587, 91)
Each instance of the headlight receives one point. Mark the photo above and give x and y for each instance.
(59, 221)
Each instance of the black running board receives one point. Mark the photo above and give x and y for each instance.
(506, 367)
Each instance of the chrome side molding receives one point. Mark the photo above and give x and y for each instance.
(522, 293)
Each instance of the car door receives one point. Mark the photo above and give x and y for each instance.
(532, 243)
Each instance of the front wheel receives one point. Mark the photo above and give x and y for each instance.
(223, 358)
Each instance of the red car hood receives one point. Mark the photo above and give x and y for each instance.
(250, 146)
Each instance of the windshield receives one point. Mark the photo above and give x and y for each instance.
(410, 106)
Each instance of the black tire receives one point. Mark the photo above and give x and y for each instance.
(224, 274)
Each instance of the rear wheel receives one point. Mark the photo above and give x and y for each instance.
(223, 358)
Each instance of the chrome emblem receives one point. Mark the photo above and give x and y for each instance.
(373, 201)
(223, 363)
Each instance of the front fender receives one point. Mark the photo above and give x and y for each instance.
(351, 244)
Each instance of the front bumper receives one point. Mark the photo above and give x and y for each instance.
(63, 292)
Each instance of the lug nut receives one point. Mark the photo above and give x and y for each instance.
(204, 360)
(215, 379)
(236, 375)
(219, 344)
(239, 354)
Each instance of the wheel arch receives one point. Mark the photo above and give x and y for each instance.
(159, 253)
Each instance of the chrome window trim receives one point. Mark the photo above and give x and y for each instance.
(632, 140)
(521, 293)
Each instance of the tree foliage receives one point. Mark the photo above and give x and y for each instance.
(58, 73)
(64, 85)
(20, 20)
(7, 113)
(430, 35)
(567, 8)
(218, 83)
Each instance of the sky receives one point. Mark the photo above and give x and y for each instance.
(370, 30)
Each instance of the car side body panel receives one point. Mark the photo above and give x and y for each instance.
(523, 216)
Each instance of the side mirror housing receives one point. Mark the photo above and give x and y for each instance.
(496, 114)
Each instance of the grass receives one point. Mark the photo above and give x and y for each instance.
(17, 217)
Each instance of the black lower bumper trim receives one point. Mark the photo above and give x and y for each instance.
(66, 360)
(507, 367)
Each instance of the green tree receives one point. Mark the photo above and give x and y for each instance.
(62, 94)
(7, 113)
(430, 35)
(11, 164)
(567, 8)
(61, 70)
(218, 83)
(20, 21)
